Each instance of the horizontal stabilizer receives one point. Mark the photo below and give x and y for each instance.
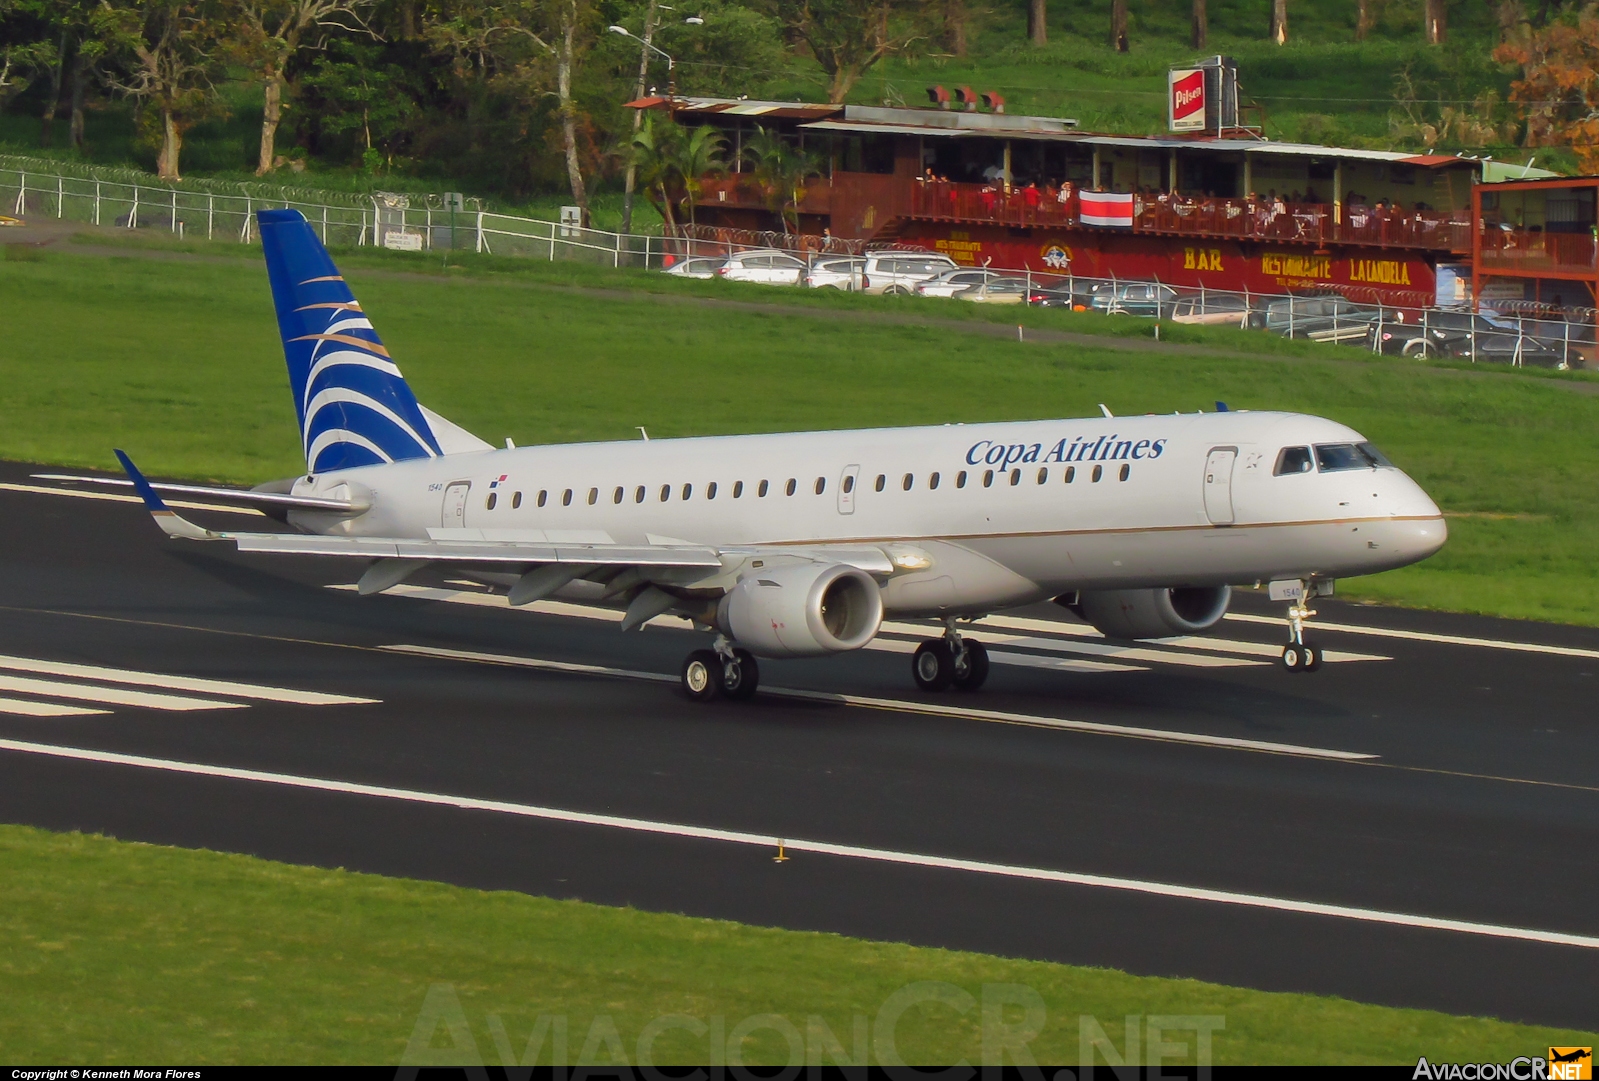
(171, 524)
(239, 496)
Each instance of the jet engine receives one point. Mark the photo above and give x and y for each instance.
(1154, 613)
(802, 610)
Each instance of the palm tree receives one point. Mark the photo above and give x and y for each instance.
(698, 155)
(781, 170)
(652, 152)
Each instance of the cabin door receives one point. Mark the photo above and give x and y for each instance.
(1219, 485)
(846, 489)
(453, 513)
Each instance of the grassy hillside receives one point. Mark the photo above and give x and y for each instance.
(116, 952)
(179, 363)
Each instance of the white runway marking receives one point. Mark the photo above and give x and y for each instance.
(824, 848)
(39, 489)
(1423, 636)
(1025, 660)
(81, 692)
(21, 707)
(904, 706)
(179, 683)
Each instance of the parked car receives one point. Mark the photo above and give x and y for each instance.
(1069, 295)
(996, 291)
(1465, 335)
(768, 266)
(1133, 298)
(1575, 341)
(899, 272)
(1320, 319)
(696, 266)
(1212, 309)
(836, 272)
(956, 279)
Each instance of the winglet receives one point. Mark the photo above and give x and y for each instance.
(169, 522)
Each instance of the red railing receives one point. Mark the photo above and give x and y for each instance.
(1260, 219)
(743, 191)
(1521, 250)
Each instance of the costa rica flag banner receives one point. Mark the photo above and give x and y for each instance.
(1107, 208)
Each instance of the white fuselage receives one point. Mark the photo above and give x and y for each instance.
(1153, 501)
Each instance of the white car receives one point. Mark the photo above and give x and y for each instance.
(897, 273)
(836, 272)
(696, 267)
(955, 279)
(768, 266)
(996, 290)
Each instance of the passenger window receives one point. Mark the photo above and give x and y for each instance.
(688, 490)
(988, 478)
(789, 488)
(738, 488)
(666, 492)
(849, 484)
(1293, 460)
(1043, 476)
(1099, 471)
(616, 497)
(932, 481)
(566, 498)
(638, 494)
(960, 479)
(516, 501)
(821, 485)
(594, 496)
(1015, 477)
(494, 497)
(710, 490)
(542, 495)
(761, 491)
(906, 481)
(882, 482)
(1071, 473)
(1127, 471)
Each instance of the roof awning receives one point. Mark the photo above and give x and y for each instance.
(1432, 161)
(891, 129)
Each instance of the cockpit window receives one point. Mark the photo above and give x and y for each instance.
(1335, 457)
(1293, 460)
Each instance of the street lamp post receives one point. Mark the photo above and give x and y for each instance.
(651, 24)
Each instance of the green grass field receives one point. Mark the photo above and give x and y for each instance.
(115, 952)
(179, 363)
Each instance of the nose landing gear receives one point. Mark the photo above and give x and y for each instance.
(722, 671)
(950, 661)
(1300, 654)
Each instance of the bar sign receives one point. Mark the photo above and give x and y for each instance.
(1187, 99)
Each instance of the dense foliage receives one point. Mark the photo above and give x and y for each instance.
(513, 97)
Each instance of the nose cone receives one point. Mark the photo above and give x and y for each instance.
(1415, 530)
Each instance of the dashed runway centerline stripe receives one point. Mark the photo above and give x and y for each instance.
(229, 688)
(39, 489)
(20, 707)
(82, 692)
(823, 848)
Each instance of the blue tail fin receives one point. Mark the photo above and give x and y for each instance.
(354, 405)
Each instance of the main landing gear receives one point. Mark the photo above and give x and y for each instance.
(950, 661)
(723, 671)
(1300, 655)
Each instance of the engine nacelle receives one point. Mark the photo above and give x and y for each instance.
(1154, 613)
(802, 610)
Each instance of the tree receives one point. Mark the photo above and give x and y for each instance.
(1037, 28)
(352, 90)
(171, 50)
(956, 18)
(271, 33)
(1558, 92)
(1434, 25)
(1279, 21)
(847, 37)
(1365, 18)
(651, 154)
(1200, 28)
(24, 50)
(781, 170)
(1118, 24)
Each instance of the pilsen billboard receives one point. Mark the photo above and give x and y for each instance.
(1186, 99)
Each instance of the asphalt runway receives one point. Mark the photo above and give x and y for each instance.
(1413, 825)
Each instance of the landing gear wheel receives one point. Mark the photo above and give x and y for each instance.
(933, 665)
(971, 669)
(1294, 657)
(1312, 656)
(740, 676)
(702, 675)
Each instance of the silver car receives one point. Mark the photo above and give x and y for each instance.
(897, 273)
(696, 267)
(956, 279)
(768, 266)
(836, 272)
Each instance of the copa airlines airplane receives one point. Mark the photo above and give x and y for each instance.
(799, 545)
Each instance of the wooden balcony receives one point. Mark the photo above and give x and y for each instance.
(1528, 253)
